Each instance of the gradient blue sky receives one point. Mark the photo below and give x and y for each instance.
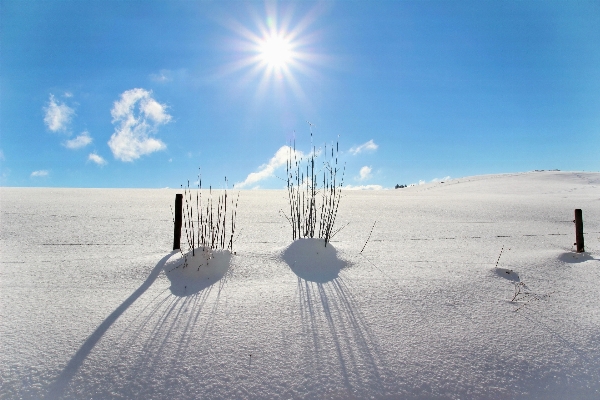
(142, 94)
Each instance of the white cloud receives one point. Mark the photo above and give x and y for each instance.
(136, 116)
(364, 187)
(364, 173)
(39, 173)
(434, 180)
(95, 158)
(148, 107)
(368, 146)
(68, 94)
(58, 115)
(80, 141)
(268, 170)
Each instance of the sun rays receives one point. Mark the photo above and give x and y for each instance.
(275, 52)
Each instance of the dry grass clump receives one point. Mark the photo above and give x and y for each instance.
(313, 208)
(206, 222)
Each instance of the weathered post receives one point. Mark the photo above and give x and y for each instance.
(579, 231)
(178, 219)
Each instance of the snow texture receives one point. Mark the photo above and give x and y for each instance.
(91, 303)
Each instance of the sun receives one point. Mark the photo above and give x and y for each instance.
(276, 51)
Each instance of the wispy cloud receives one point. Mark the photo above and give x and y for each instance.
(40, 173)
(95, 158)
(163, 76)
(369, 146)
(268, 170)
(57, 115)
(363, 187)
(80, 141)
(364, 173)
(136, 116)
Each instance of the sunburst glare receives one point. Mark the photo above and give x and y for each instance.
(275, 51)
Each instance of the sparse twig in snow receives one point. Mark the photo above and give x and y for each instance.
(373, 227)
(338, 230)
(524, 295)
(499, 255)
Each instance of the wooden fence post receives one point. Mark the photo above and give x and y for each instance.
(178, 212)
(579, 231)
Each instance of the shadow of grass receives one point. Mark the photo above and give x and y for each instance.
(338, 344)
(161, 330)
(312, 261)
(58, 387)
(192, 274)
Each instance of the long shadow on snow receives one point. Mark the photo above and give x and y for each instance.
(340, 344)
(332, 320)
(172, 324)
(156, 342)
(58, 387)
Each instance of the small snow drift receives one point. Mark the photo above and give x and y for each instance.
(198, 270)
(311, 260)
(507, 274)
(572, 257)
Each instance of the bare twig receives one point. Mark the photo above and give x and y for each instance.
(524, 295)
(373, 227)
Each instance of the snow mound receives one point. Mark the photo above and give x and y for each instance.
(197, 270)
(572, 257)
(311, 260)
(507, 274)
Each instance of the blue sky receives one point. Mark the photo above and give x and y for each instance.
(143, 94)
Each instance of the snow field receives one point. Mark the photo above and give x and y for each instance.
(87, 310)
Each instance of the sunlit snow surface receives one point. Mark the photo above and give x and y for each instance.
(88, 311)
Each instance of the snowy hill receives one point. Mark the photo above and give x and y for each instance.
(88, 310)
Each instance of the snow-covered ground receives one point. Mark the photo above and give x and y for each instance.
(87, 310)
